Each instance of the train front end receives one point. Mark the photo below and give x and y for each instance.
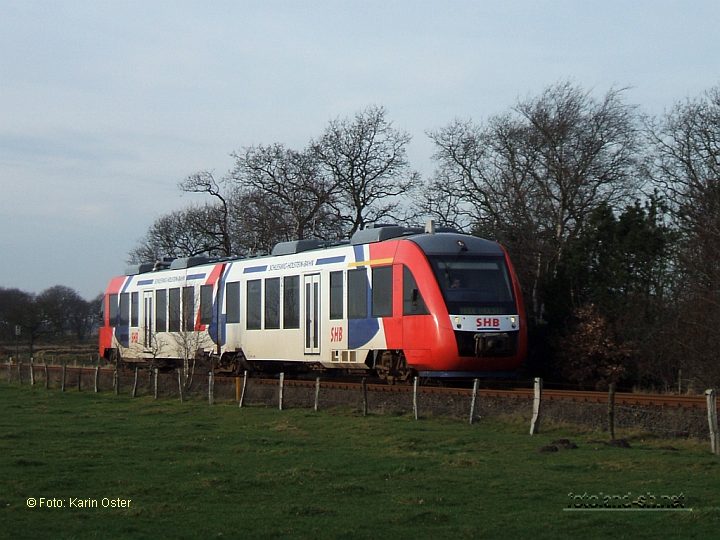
(480, 327)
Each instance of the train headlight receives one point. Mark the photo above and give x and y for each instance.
(513, 322)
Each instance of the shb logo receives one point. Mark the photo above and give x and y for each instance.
(485, 322)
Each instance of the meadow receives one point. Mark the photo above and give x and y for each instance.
(85, 465)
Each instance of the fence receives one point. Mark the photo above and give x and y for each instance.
(468, 404)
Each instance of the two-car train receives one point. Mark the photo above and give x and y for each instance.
(391, 301)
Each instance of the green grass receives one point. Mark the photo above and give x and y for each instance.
(192, 470)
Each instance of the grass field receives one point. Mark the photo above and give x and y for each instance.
(191, 470)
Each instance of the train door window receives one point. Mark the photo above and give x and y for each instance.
(161, 310)
(312, 313)
(113, 309)
(124, 312)
(413, 303)
(254, 304)
(134, 310)
(336, 295)
(174, 310)
(291, 302)
(272, 303)
(206, 304)
(357, 294)
(148, 319)
(232, 302)
(382, 291)
(188, 309)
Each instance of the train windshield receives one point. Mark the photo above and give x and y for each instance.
(474, 285)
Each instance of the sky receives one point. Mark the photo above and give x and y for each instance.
(106, 105)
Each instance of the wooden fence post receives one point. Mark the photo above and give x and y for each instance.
(237, 389)
(364, 396)
(611, 411)
(476, 382)
(282, 388)
(535, 422)
(32, 372)
(47, 380)
(711, 399)
(64, 369)
(19, 366)
(135, 380)
(415, 397)
(317, 393)
(244, 386)
(211, 387)
(155, 383)
(79, 379)
(97, 376)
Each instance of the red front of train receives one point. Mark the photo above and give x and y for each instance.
(458, 307)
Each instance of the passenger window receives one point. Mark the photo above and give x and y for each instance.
(113, 309)
(382, 291)
(174, 310)
(188, 309)
(336, 295)
(254, 304)
(272, 303)
(206, 304)
(161, 311)
(232, 302)
(124, 314)
(413, 303)
(357, 294)
(291, 302)
(134, 310)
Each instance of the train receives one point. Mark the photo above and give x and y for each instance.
(392, 302)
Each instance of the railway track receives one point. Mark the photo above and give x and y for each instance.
(621, 398)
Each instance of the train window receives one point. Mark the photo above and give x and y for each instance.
(174, 310)
(124, 312)
(336, 295)
(113, 309)
(474, 285)
(206, 304)
(254, 304)
(357, 294)
(134, 310)
(413, 302)
(272, 303)
(232, 302)
(291, 302)
(189, 308)
(382, 291)
(161, 311)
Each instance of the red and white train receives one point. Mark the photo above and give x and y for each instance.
(392, 301)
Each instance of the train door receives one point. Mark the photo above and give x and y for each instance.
(312, 313)
(147, 319)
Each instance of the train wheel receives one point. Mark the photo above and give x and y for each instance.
(391, 367)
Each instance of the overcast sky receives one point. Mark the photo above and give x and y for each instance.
(106, 106)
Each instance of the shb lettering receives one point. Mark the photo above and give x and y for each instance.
(485, 322)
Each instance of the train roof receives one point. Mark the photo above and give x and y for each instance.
(432, 241)
(444, 243)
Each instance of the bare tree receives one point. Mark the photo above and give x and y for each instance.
(204, 182)
(530, 177)
(182, 233)
(366, 159)
(686, 166)
(291, 185)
